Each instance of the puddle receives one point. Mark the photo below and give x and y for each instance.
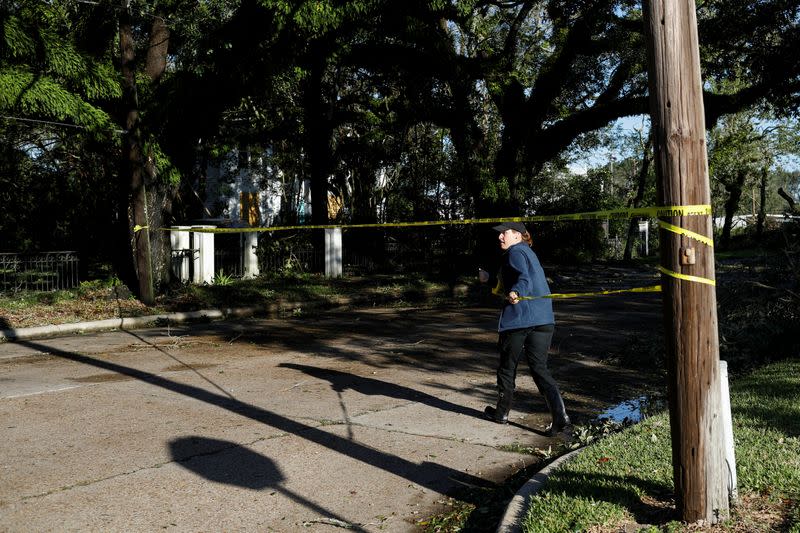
(634, 410)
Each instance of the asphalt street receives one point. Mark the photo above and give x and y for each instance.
(365, 419)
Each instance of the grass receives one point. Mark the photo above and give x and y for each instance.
(625, 480)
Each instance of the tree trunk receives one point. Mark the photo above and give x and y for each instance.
(690, 310)
(318, 138)
(157, 48)
(132, 173)
(633, 227)
(734, 191)
(470, 147)
(789, 200)
(762, 202)
(160, 194)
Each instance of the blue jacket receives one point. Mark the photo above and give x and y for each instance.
(522, 272)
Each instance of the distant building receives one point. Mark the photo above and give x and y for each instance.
(242, 190)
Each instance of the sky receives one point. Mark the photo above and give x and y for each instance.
(601, 156)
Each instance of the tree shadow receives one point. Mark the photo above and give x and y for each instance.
(406, 339)
(616, 490)
(229, 463)
(426, 474)
(341, 381)
(225, 462)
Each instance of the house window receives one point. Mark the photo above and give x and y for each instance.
(248, 207)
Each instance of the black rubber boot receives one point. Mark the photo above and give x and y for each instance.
(561, 421)
(499, 414)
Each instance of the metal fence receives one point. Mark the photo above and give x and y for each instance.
(228, 255)
(45, 271)
(298, 260)
(306, 259)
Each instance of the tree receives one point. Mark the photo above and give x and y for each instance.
(744, 148)
(45, 75)
(641, 188)
(555, 70)
(132, 171)
(57, 137)
(510, 87)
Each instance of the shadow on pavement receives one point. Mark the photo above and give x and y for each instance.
(426, 474)
(225, 462)
(341, 381)
(231, 464)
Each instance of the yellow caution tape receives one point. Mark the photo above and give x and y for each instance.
(682, 231)
(658, 212)
(686, 277)
(653, 288)
(498, 289)
(137, 228)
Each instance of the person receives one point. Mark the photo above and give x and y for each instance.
(526, 326)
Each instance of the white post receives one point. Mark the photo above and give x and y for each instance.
(204, 258)
(727, 431)
(181, 251)
(644, 227)
(249, 246)
(333, 252)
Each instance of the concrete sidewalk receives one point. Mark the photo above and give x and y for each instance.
(366, 420)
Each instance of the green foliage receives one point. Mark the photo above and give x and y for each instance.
(315, 17)
(758, 302)
(54, 178)
(411, 110)
(222, 279)
(42, 96)
(43, 74)
(166, 170)
(54, 185)
(28, 299)
(575, 241)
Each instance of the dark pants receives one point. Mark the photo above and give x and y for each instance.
(534, 342)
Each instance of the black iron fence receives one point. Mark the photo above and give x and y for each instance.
(45, 271)
(394, 258)
(228, 254)
(297, 260)
(309, 260)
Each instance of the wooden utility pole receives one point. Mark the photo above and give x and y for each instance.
(690, 310)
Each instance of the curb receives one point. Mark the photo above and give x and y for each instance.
(515, 511)
(111, 324)
(126, 323)
(272, 310)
